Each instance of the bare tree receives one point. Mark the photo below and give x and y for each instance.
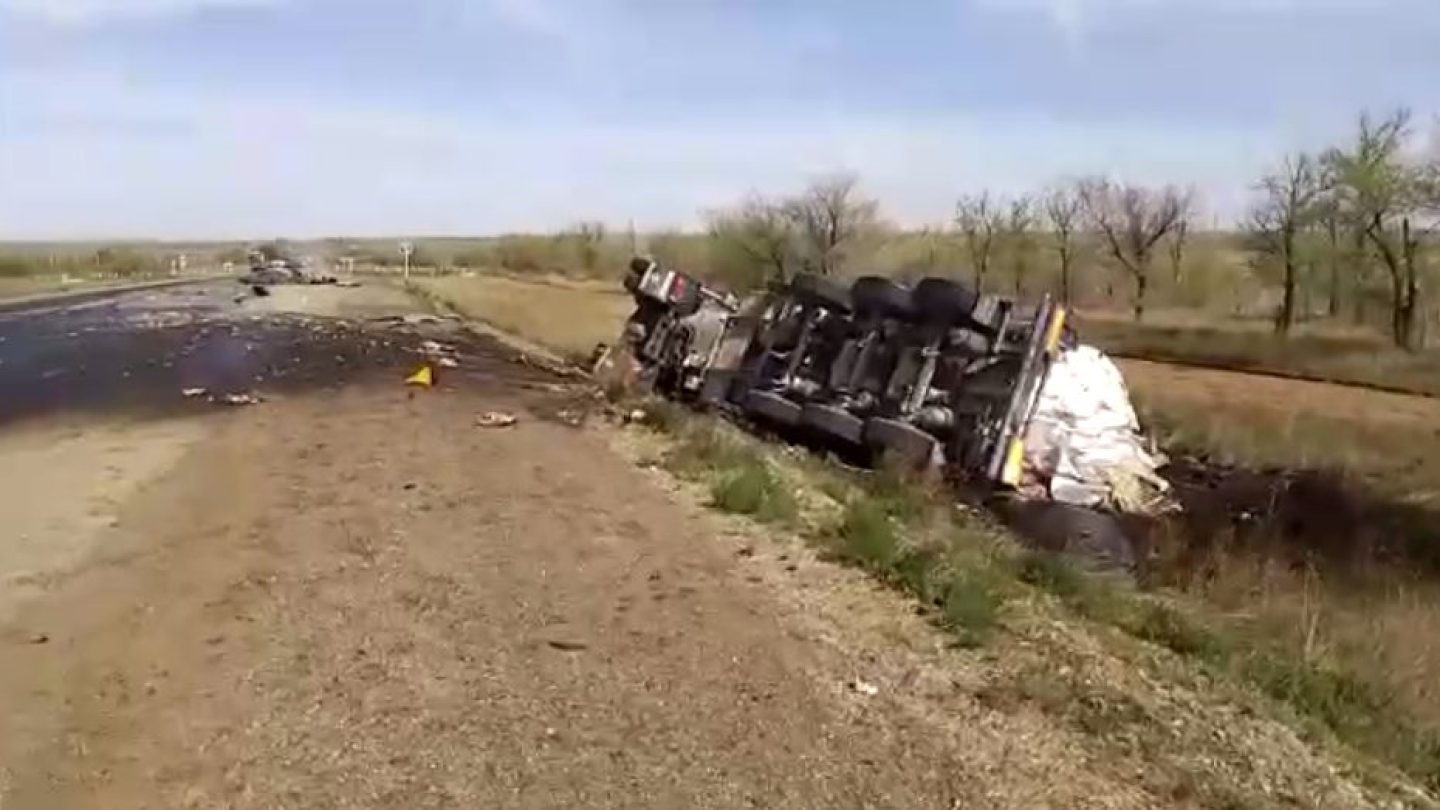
(1063, 207)
(1383, 194)
(1131, 221)
(1176, 248)
(1286, 209)
(1019, 234)
(1328, 221)
(761, 235)
(980, 218)
(829, 218)
(589, 239)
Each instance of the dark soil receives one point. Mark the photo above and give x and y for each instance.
(1306, 517)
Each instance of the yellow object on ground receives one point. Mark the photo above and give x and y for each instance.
(424, 377)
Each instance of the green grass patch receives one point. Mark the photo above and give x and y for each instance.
(1173, 629)
(971, 604)
(1052, 573)
(868, 534)
(754, 489)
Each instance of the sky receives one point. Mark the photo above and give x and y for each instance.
(252, 118)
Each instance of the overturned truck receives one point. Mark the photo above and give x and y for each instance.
(995, 391)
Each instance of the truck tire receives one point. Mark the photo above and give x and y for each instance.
(834, 422)
(820, 291)
(900, 441)
(874, 296)
(943, 302)
(772, 407)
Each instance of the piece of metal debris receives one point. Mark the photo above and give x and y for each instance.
(239, 399)
(495, 419)
(864, 688)
(447, 362)
(191, 393)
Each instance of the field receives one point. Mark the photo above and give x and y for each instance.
(565, 315)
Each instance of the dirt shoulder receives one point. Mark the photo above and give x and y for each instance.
(365, 600)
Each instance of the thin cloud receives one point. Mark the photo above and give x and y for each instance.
(87, 12)
(142, 162)
(1075, 19)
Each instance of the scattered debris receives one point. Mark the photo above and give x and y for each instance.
(495, 419)
(423, 377)
(190, 393)
(260, 291)
(568, 646)
(448, 362)
(239, 399)
(570, 417)
(865, 688)
(598, 357)
(347, 283)
(39, 638)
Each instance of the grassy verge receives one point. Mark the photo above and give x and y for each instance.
(1352, 667)
(968, 575)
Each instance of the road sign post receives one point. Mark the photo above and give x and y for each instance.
(407, 249)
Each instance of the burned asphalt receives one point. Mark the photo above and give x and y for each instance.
(136, 352)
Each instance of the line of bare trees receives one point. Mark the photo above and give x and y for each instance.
(1367, 208)
(1349, 221)
(827, 226)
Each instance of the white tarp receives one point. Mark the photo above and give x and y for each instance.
(1084, 439)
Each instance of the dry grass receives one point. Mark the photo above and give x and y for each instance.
(565, 315)
(1388, 442)
(1351, 590)
(39, 285)
(1328, 352)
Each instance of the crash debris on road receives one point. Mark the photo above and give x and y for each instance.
(496, 419)
(242, 398)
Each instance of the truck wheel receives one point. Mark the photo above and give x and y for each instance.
(880, 297)
(821, 291)
(942, 302)
(772, 407)
(834, 421)
(901, 441)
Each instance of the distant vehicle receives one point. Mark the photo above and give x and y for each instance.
(280, 270)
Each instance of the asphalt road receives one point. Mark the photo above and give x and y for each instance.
(136, 351)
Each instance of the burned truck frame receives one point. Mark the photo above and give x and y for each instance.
(922, 374)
